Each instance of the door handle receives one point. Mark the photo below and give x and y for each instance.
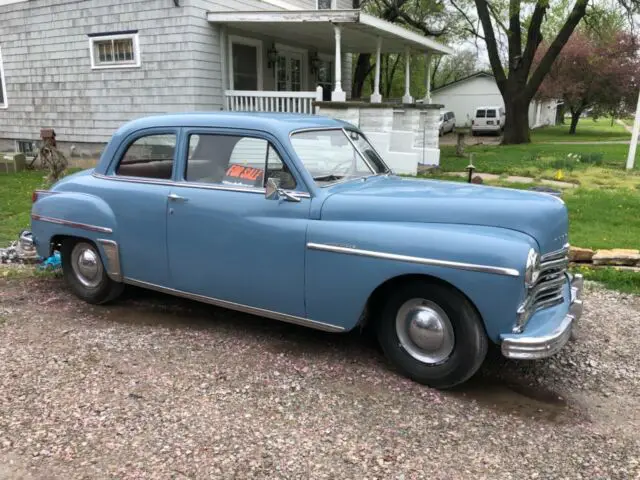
(176, 198)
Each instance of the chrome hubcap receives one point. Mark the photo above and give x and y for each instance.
(425, 331)
(86, 265)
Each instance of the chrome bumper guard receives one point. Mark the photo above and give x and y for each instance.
(523, 347)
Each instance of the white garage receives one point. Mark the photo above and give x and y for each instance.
(463, 96)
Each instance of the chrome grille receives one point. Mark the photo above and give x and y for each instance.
(548, 289)
(547, 292)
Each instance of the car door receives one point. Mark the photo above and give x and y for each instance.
(226, 240)
(135, 187)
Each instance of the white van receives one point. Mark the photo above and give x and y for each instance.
(488, 119)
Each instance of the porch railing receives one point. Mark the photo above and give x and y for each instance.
(271, 101)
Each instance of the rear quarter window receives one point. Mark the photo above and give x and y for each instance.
(150, 156)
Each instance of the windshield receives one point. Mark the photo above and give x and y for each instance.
(330, 157)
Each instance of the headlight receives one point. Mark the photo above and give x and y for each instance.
(532, 270)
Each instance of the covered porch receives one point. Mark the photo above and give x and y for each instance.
(301, 61)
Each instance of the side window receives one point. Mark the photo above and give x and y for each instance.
(235, 161)
(480, 113)
(149, 157)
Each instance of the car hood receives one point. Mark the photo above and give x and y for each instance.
(397, 199)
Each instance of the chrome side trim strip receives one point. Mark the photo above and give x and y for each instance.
(202, 186)
(151, 181)
(511, 272)
(68, 223)
(283, 317)
(112, 254)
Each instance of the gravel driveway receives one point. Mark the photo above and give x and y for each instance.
(156, 387)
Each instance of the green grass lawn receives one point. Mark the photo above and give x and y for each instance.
(532, 159)
(543, 159)
(602, 218)
(612, 278)
(587, 165)
(588, 130)
(15, 202)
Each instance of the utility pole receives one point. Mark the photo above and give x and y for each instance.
(634, 138)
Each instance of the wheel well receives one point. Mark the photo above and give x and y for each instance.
(56, 242)
(377, 297)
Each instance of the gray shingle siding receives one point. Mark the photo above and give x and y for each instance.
(47, 64)
(48, 73)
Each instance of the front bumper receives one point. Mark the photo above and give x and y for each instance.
(547, 336)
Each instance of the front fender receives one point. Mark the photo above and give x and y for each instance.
(70, 214)
(339, 283)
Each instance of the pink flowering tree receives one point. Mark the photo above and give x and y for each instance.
(594, 72)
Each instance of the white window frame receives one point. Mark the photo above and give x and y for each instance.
(333, 5)
(136, 51)
(253, 42)
(3, 85)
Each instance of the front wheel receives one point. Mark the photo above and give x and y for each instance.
(85, 274)
(432, 334)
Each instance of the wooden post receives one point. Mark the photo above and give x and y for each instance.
(634, 138)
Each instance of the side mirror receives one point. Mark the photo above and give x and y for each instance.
(274, 192)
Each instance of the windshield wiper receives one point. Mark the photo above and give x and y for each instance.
(328, 178)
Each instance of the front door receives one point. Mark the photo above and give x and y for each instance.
(289, 71)
(227, 241)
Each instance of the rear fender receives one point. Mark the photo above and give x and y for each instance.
(79, 215)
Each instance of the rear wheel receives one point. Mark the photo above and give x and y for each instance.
(85, 274)
(432, 334)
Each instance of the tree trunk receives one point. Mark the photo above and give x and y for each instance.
(516, 128)
(575, 118)
(363, 67)
(460, 144)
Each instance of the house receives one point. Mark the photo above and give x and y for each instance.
(84, 67)
(463, 96)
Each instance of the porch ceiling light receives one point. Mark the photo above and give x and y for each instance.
(272, 56)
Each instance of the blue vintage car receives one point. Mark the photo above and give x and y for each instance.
(297, 218)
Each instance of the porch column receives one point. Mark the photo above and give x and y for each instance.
(338, 95)
(376, 97)
(427, 93)
(407, 76)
